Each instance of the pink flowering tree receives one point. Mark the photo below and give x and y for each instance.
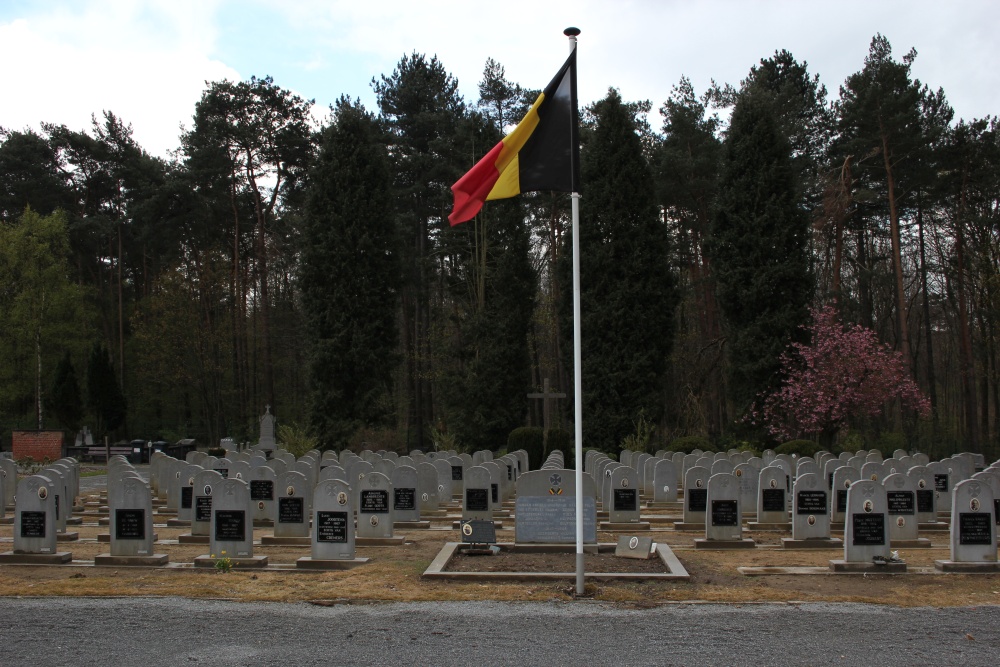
(844, 373)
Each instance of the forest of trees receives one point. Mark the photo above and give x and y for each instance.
(272, 262)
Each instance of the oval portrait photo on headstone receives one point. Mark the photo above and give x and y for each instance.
(208, 490)
(869, 506)
(43, 492)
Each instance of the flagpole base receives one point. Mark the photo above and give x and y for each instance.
(580, 588)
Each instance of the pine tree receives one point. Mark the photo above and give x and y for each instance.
(628, 291)
(759, 251)
(104, 394)
(349, 278)
(64, 398)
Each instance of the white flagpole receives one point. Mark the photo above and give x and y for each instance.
(577, 366)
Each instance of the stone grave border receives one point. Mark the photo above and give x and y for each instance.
(438, 567)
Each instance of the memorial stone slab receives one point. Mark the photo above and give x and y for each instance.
(747, 477)
(427, 487)
(231, 530)
(943, 483)
(130, 506)
(545, 509)
(873, 471)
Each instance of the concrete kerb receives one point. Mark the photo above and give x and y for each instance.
(438, 567)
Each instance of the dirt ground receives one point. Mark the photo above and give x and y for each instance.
(394, 574)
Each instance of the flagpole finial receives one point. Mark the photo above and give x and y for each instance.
(571, 32)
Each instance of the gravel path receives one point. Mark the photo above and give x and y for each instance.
(154, 632)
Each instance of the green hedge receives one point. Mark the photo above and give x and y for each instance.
(798, 447)
(689, 443)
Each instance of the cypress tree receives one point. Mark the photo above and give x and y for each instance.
(349, 278)
(628, 290)
(759, 250)
(64, 398)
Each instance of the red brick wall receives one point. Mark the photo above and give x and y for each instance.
(37, 444)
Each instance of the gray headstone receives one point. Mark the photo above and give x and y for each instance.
(333, 521)
(724, 516)
(231, 532)
(405, 497)
(772, 498)
(293, 494)
(696, 494)
(973, 522)
(374, 499)
(35, 516)
(747, 477)
(207, 484)
(478, 501)
(901, 504)
(866, 529)
(427, 486)
(624, 495)
(130, 506)
(811, 508)
(665, 486)
(843, 477)
(263, 484)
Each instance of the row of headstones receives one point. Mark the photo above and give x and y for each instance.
(870, 465)
(43, 503)
(415, 489)
(450, 466)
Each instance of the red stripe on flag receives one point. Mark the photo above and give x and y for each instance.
(472, 189)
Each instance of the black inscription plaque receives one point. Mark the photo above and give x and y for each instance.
(495, 493)
(57, 507)
(32, 524)
(230, 525)
(925, 500)
(203, 508)
(456, 473)
(868, 529)
(724, 513)
(626, 500)
(510, 473)
(901, 502)
(974, 529)
(331, 527)
(697, 500)
(841, 500)
(773, 500)
(186, 493)
(477, 500)
(224, 472)
(404, 498)
(130, 525)
(810, 502)
(261, 489)
(291, 510)
(374, 501)
(829, 481)
(996, 510)
(941, 482)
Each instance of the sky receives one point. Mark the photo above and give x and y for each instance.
(148, 61)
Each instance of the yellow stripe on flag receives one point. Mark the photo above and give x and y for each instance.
(508, 185)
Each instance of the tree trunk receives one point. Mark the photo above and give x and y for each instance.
(929, 331)
(967, 370)
(897, 258)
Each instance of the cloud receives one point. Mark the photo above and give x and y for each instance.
(146, 63)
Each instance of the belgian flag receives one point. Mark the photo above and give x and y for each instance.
(542, 153)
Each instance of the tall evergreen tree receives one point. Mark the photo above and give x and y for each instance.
(349, 277)
(759, 249)
(64, 399)
(104, 394)
(628, 292)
